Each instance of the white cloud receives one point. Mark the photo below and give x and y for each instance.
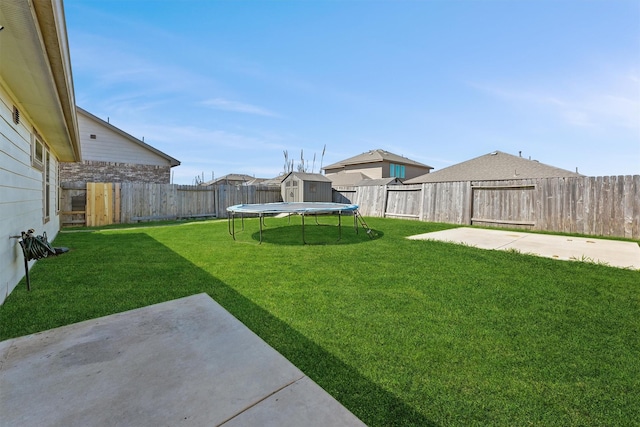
(598, 102)
(192, 138)
(238, 107)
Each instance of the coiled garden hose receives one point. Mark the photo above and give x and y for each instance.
(36, 247)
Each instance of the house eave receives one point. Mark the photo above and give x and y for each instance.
(35, 69)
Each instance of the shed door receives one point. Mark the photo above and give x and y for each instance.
(291, 193)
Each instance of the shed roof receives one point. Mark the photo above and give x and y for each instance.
(131, 138)
(376, 156)
(493, 166)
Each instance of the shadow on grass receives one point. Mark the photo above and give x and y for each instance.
(322, 234)
(106, 274)
(317, 230)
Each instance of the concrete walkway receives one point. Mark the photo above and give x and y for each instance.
(610, 252)
(186, 362)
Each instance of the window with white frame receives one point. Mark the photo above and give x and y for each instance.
(46, 181)
(41, 159)
(37, 151)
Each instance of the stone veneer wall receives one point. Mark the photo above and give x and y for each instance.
(94, 171)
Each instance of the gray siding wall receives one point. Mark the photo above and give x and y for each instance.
(110, 146)
(373, 171)
(380, 170)
(21, 193)
(317, 191)
(415, 171)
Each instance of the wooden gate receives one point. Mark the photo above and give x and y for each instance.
(103, 204)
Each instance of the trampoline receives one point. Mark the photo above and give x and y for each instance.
(293, 208)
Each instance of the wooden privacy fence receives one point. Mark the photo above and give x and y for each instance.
(95, 204)
(603, 206)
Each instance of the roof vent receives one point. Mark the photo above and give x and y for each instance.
(495, 153)
(92, 136)
(16, 115)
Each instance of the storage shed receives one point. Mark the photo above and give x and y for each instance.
(306, 187)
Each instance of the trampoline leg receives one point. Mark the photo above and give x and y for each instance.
(260, 220)
(339, 226)
(303, 241)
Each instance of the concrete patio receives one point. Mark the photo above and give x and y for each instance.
(186, 362)
(610, 252)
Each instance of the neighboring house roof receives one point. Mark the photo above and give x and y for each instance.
(494, 166)
(345, 179)
(234, 177)
(375, 156)
(256, 181)
(274, 181)
(173, 162)
(35, 64)
(379, 181)
(313, 177)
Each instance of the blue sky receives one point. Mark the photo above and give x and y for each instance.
(225, 86)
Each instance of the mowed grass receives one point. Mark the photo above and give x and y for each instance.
(401, 332)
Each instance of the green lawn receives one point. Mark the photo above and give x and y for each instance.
(402, 332)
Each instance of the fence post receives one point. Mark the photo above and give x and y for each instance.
(385, 195)
(468, 204)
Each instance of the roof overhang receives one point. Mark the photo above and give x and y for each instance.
(35, 69)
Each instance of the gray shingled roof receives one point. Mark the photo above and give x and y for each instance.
(342, 178)
(375, 156)
(379, 181)
(231, 177)
(276, 180)
(493, 166)
(312, 177)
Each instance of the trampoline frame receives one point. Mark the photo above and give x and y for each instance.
(298, 208)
